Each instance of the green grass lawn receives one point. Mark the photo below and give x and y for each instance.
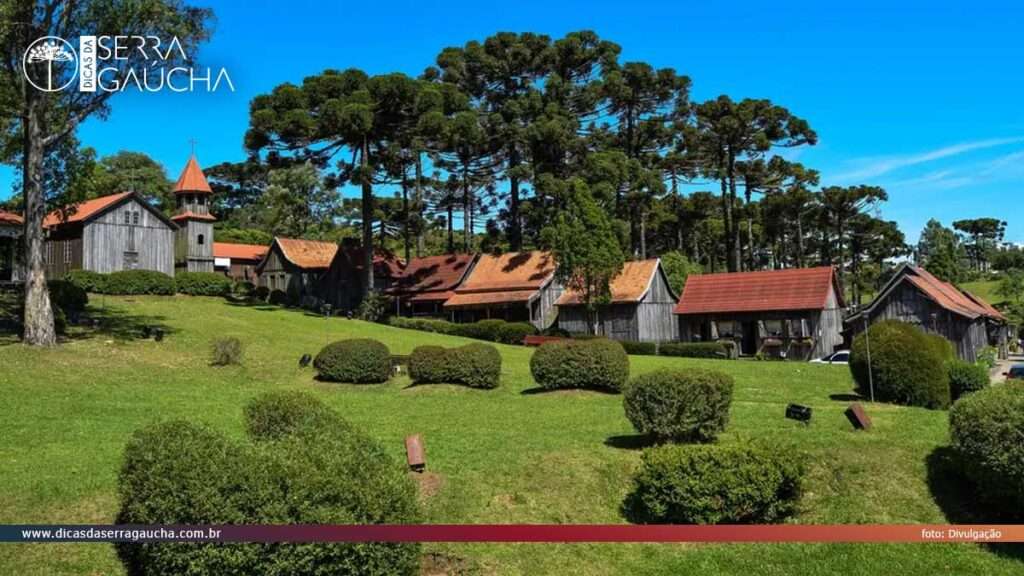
(985, 289)
(504, 456)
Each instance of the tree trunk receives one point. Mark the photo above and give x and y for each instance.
(643, 235)
(420, 243)
(515, 232)
(735, 256)
(451, 228)
(367, 219)
(39, 327)
(799, 242)
(406, 236)
(467, 223)
(727, 217)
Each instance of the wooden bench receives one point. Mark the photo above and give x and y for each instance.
(538, 340)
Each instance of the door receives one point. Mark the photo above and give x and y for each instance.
(131, 260)
(750, 338)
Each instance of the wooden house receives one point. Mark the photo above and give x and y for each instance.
(915, 296)
(193, 240)
(427, 283)
(343, 281)
(793, 313)
(108, 234)
(296, 267)
(639, 310)
(11, 228)
(518, 287)
(238, 261)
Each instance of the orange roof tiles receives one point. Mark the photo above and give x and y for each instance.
(950, 297)
(190, 215)
(239, 251)
(630, 285)
(82, 211)
(432, 274)
(307, 253)
(10, 218)
(763, 291)
(192, 179)
(509, 278)
(990, 309)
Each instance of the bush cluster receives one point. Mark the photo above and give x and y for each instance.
(679, 406)
(139, 282)
(357, 361)
(598, 364)
(694, 349)
(907, 367)
(278, 298)
(492, 330)
(987, 430)
(309, 470)
(943, 348)
(202, 283)
(226, 351)
(965, 377)
(640, 348)
(261, 293)
(473, 365)
(88, 280)
(514, 332)
(714, 484)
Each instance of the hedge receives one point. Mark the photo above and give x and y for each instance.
(906, 367)
(597, 364)
(473, 365)
(139, 282)
(357, 361)
(942, 347)
(436, 325)
(514, 332)
(261, 293)
(714, 484)
(88, 280)
(482, 330)
(276, 415)
(640, 348)
(679, 406)
(278, 298)
(987, 431)
(203, 283)
(694, 349)
(966, 377)
(492, 330)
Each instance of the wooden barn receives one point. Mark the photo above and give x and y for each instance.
(296, 267)
(343, 281)
(794, 313)
(11, 228)
(518, 287)
(427, 283)
(238, 261)
(915, 296)
(640, 309)
(108, 234)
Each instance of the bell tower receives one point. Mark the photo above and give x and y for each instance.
(193, 241)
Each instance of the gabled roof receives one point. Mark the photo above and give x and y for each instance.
(192, 179)
(944, 294)
(762, 291)
(239, 251)
(89, 209)
(433, 278)
(509, 278)
(10, 219)
(630, 285)
(311, 254)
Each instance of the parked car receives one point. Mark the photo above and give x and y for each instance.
(839, 357)
(1016, 372)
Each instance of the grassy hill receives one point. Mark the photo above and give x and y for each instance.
(984, 289)
(504, 456)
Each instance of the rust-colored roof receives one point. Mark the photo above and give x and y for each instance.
(630, 285)
(192, 179)
(950, 297)
(190, 215)
(307, 253)
(239, 251)
(431, 274)
(990, 309)
(763, 291)
(10, 219)
(385, 263)
(506, 279)
(441, 296)
(82, 211)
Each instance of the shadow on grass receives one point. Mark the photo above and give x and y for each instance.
(538, 390)
(629, 441)
(118, 324)
(851, 397)
(957, 497)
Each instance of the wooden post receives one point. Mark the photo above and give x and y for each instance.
(414, 453)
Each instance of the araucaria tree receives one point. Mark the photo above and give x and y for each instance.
(39, 121)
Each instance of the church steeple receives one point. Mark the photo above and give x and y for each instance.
(192, 179)
(193, 244)
(192, 192)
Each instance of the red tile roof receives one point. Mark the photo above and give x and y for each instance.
(431, 275)
(630, 285)
(385, 263)
(82, 211)
(10, 218)
(507, 279)
(990, 309)
(950, 297)
(190, 215)
(769, 290)
(239, 251)
(307, 253)
(192, 179)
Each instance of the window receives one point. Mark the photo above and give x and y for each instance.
(67, 252)
(127, 217)
(726, 329)
(200, 240)
(773, 327)
(135, 218)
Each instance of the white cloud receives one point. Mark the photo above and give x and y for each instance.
(874, 167)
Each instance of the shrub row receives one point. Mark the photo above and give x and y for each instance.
(681, 349)
(203, 283)
(679, 406)
(303, 465)
(965, 377)
(141, 282)
(596, 364)
(473, 365)
(357, 361)
(492, 330)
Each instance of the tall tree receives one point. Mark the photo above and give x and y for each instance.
(940, 252)
(135, 172)
(984, 234)
(297, 203)
(840, 205)
(42, 120)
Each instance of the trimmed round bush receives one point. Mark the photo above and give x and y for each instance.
(679, 406)
(139, 282)
(942, 347)
(88, 280)
(597, 364)
(987, 430)
(275, 415)
(226, 351)
(67, 296)
(475, 365)
(514, 332)
(966, 377)
(714, 484)
(277, 298)
(481, 330)
(357, 361)
(202, 283)
(428, 365)
(640, 348)
(693, 349)
(261, 293)
(907, 368)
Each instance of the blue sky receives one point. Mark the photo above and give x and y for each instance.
(920, 98)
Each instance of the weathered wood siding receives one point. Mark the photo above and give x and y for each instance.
(193, 246)
(128, 237)
(649, 320)
(654, 313)
(62, 256)
(303, 287)
(543, 312)
(828, 329)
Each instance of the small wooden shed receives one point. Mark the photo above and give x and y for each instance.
(343, 282)
(296, 267)
(640, 309)
(915, 296)
(427, 283)
(796, 313)
(238, 261)
(517, 286)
